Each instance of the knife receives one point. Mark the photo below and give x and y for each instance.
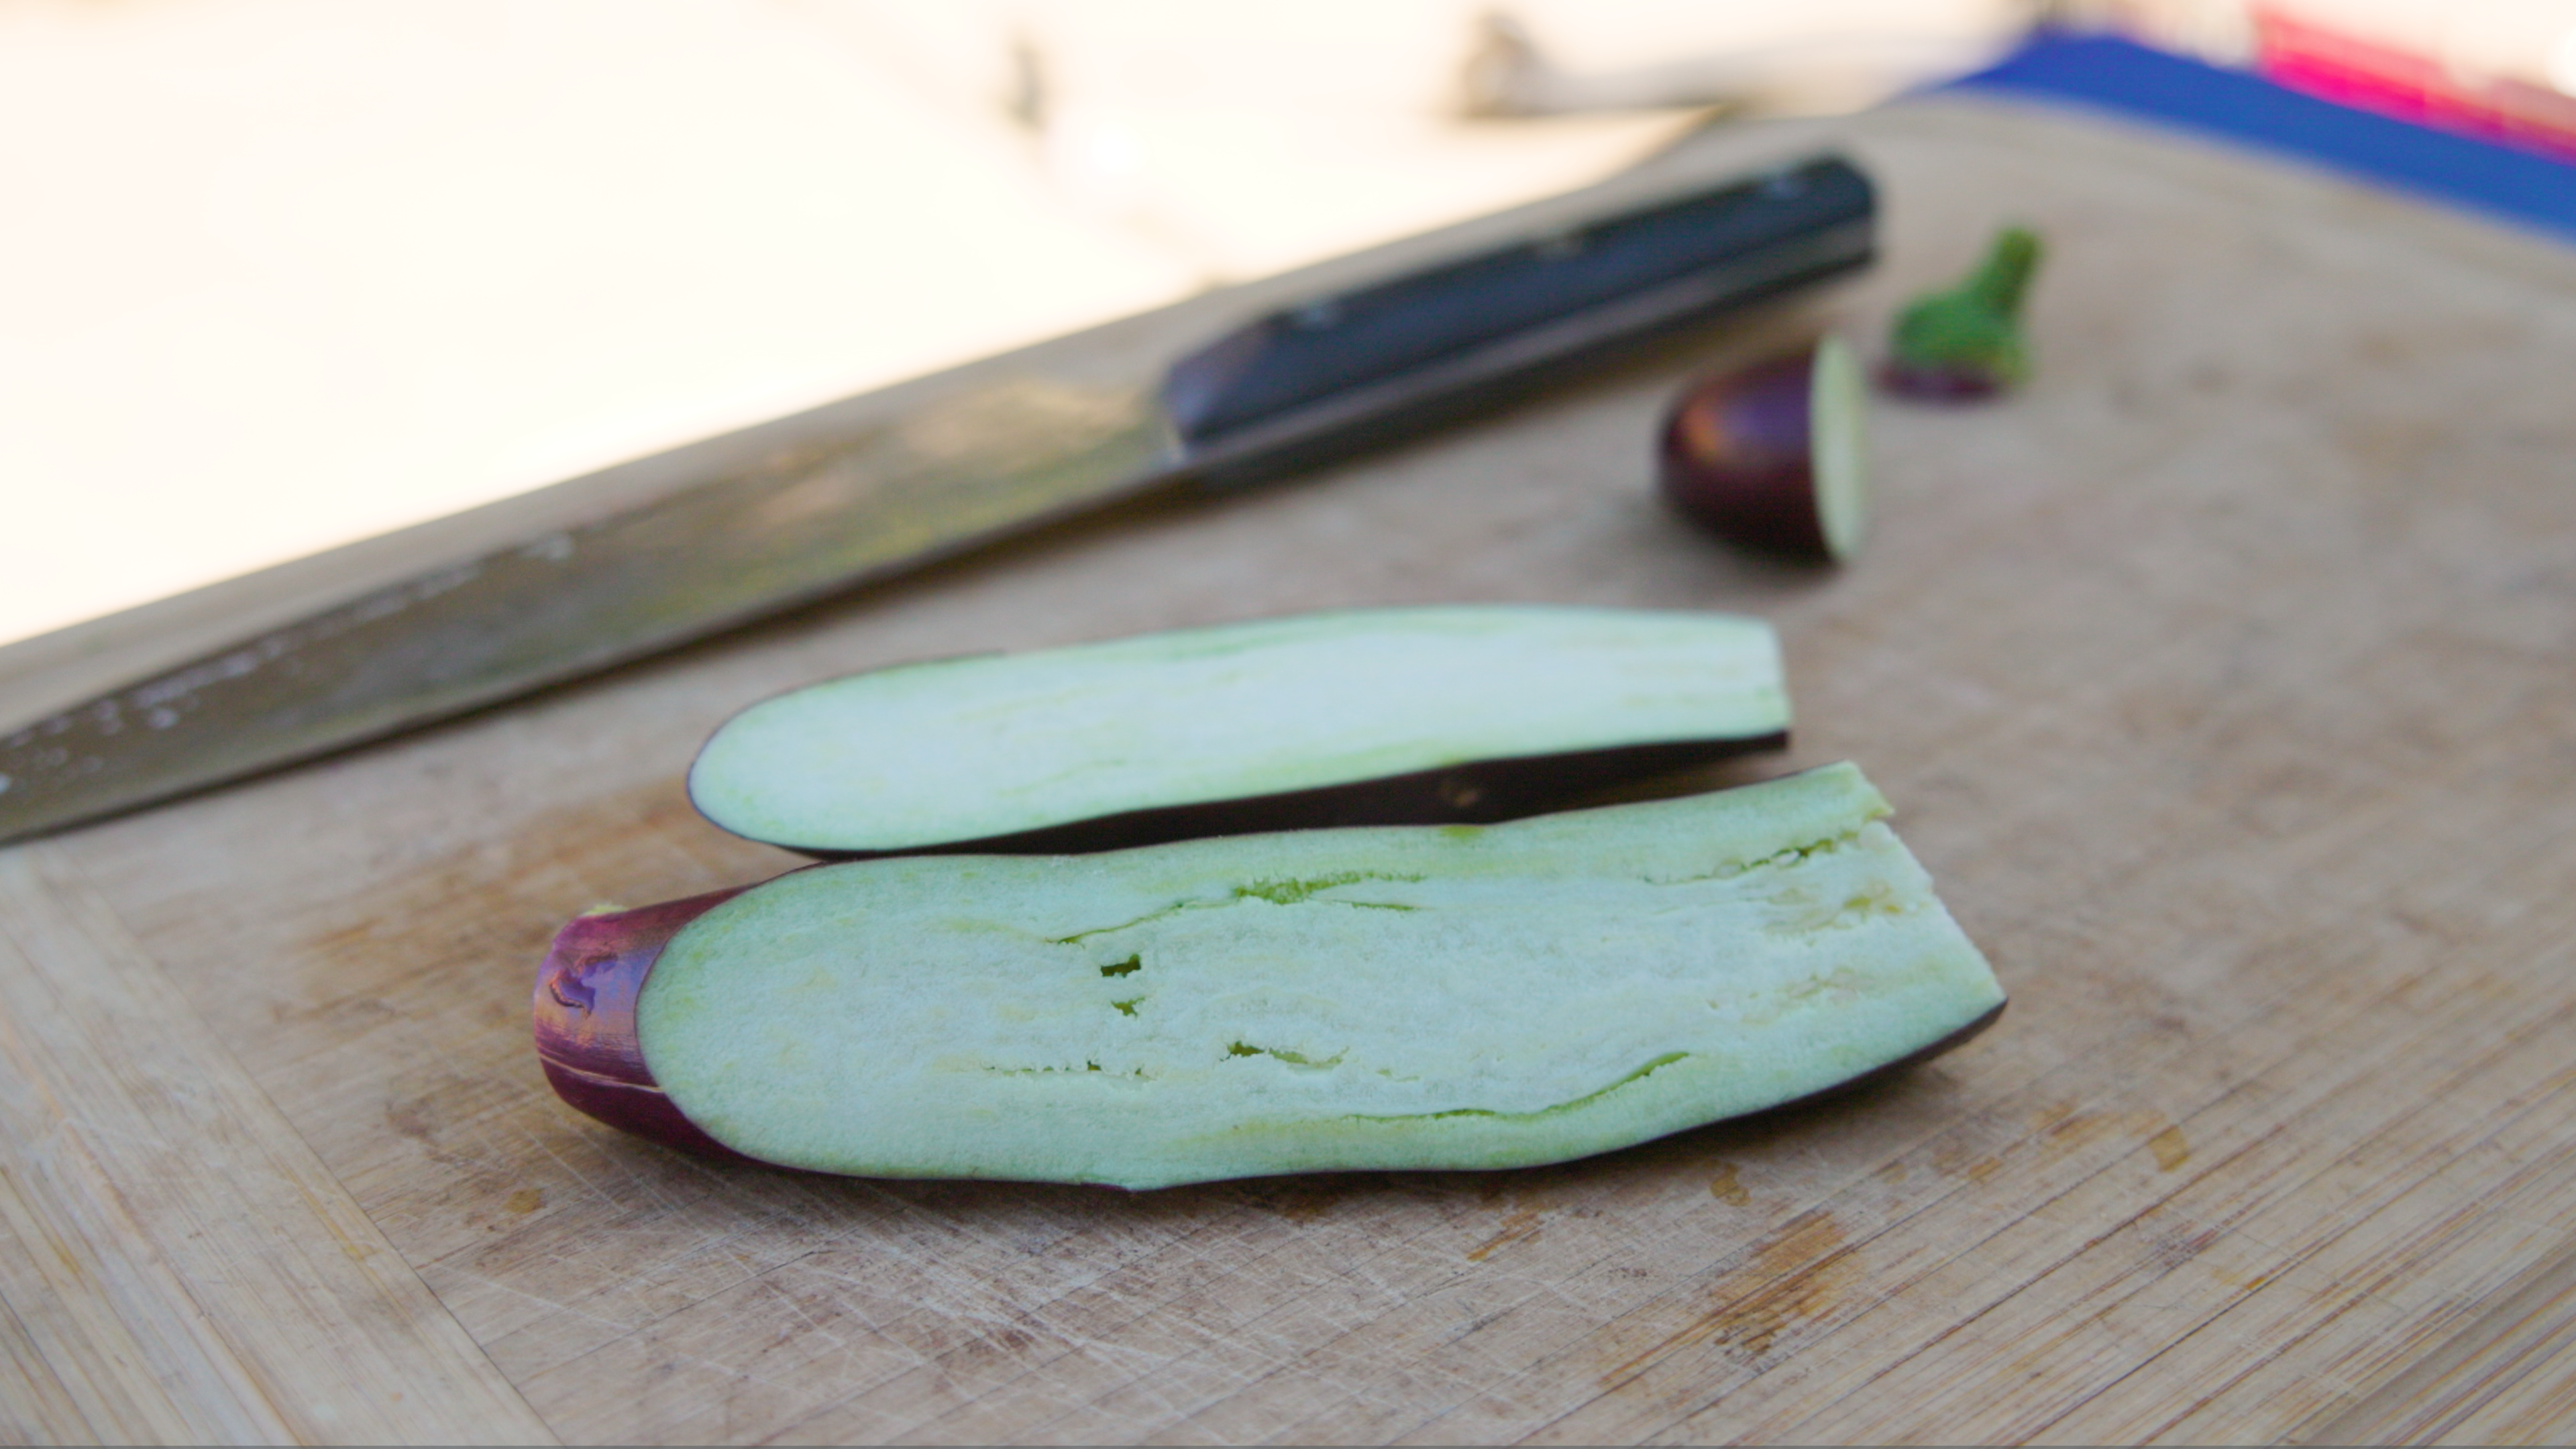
(785, 513)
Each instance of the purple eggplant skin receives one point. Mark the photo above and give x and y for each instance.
(1738, 457)
(1928, 383)
(585, 1020)
(1479, 792)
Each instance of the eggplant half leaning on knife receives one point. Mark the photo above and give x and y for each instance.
(762, 520)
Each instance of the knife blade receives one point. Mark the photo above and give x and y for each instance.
(784, 514)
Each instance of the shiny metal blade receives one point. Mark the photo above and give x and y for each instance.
(798, 524)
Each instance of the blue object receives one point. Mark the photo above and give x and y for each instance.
(2120, 76)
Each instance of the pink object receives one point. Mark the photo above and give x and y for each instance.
(2373, 76)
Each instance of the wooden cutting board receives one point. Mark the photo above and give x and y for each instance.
(2223, 679)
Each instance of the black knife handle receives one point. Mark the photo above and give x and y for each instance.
(1370, 356)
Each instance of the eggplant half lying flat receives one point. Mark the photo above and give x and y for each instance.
(1394, 997)
(1368, 717)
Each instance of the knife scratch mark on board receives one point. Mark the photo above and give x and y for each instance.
(1798, 1274)
(1520, 1225)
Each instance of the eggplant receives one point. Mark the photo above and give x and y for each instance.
(1363, 717)
(1376, 998)
(1775, 456)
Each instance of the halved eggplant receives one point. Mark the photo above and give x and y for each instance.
(1405, 997)
(1365, 717)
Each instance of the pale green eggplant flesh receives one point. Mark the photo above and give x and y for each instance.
(1371, 716)
(1402, 997)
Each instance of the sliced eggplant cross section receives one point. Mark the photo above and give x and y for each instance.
(1365, 717)
(1395, 997)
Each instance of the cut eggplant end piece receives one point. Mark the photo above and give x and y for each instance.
(1365, 717)
(1392, 998)
(1775, 457)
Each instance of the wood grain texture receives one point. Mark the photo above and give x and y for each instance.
(178, 1267)
(2507, 1378)
(2221, 678)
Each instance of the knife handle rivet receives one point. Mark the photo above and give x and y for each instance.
(1316, 316)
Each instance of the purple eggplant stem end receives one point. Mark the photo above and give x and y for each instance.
(584, 1008)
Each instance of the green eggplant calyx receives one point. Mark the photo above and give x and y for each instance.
(1967, 340)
